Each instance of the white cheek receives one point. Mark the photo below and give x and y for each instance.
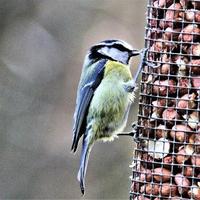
(105, 51)
(118, 55)
(114, 52)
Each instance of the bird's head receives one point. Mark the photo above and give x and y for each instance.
(117, 50)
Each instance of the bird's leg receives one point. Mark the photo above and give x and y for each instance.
(135, 135)
(130, 86)
(143, 62)
(131, 133)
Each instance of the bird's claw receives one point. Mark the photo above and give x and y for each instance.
(136, 136)
(143, 53)
(135, 132)
(151, 64)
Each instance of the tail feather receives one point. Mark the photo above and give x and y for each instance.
(86, 148)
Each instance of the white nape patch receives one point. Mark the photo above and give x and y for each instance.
(115, 54)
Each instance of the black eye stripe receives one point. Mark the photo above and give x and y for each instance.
(96, 47)
(115, 45)
(120, 47)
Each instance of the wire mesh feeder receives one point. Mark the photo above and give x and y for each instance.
(166, 162)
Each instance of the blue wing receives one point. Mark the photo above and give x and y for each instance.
(85, 93)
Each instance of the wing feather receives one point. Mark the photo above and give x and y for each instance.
(85, 93)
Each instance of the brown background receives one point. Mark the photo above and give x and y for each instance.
(42, 46)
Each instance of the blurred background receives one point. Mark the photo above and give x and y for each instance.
(42, 47)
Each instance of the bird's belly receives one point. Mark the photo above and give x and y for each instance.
(108, 111)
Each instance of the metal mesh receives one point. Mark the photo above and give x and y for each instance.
(166, 161)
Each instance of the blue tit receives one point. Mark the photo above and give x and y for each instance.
(104, 96)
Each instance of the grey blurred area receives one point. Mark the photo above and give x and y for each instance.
(42, 47)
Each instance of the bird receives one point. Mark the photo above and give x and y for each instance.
(104, 96)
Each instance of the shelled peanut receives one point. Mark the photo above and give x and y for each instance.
(170, 161)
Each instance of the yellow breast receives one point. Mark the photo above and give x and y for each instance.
(117, 69)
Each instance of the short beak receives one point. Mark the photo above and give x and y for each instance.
(136, 52)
